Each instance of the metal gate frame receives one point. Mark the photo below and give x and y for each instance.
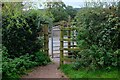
(70, 47)
(52, 43)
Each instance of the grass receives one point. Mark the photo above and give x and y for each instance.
(82, 73)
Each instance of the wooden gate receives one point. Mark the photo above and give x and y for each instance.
(67, 35)
(71, 40)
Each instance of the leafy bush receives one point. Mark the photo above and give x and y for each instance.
(22, 38)
(98, 38)
(19, 36)
(20, 32)
(97, 58)
(101, 26)
(41, 58)
(13, 68)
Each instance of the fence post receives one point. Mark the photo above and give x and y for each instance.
(69, 37)
(46, 39)
(61, 45)
(52, 42)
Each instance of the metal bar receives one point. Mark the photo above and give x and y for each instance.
(56, 50)
(56, 42)
(56, 46)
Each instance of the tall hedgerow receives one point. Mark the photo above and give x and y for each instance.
(98, 38)
(21, 29)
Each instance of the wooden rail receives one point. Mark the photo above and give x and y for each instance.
(69, 28)
(69, 40)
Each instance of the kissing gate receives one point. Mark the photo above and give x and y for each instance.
(71, 41)
(62, 43)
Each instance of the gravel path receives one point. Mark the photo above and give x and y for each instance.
(48, 71)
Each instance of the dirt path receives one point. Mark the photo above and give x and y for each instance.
(48, 71)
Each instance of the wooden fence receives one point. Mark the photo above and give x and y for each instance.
(71, 48)
(69, 39)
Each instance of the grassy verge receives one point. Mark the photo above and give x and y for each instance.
(71, 73)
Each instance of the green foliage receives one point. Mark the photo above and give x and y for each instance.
(98, 38)
(71, 11)
(13, 68)
(59, 11)
(40, 58)
(101, 25)
(23, 40)
(20, 32)
(89, 75)
(97, 58)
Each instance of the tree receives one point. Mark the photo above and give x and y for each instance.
(58, 10)
(71, 11)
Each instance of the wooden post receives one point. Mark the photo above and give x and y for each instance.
(61, 45)
(46, 40)
(52, 42)
(69, 37)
